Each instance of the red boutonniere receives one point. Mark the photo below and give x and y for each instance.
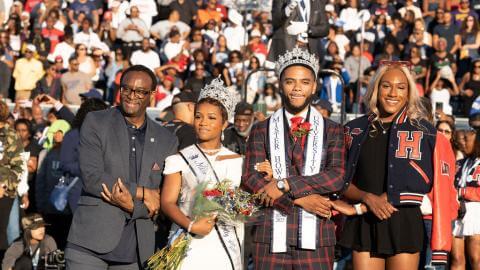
(299, 129)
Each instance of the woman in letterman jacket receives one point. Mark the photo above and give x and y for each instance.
(467, 226)
(395, 157)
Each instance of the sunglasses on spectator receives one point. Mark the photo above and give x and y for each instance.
(390, 63)
(138, 93)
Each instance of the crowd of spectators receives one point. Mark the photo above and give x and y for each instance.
(65, 48)
(63, 52)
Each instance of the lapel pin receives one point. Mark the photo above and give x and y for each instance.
(152, 139)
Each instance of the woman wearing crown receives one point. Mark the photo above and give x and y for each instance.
(306, 153)
(214, 245)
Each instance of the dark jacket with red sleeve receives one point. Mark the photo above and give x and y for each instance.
(420, 161)
(328, 181)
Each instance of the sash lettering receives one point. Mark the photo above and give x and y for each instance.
(308, 230)
(203, 170)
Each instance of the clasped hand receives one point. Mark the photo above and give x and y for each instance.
(269, 193)
(379, 205)
(121, 197)
(313, 203)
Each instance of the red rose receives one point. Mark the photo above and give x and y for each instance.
(212, 193)
(295, 122)
(305, 126)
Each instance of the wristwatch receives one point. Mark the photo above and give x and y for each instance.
(281, 185)
(358, 208)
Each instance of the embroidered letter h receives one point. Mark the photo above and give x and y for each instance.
(409, 144)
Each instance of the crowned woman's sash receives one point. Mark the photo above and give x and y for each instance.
(204, 171)
(307, 232)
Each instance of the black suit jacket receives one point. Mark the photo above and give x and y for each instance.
(104, 157)
(282, 41)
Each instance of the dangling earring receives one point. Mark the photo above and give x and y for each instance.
(223, 136)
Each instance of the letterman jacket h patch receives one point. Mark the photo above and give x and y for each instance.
(420, 161)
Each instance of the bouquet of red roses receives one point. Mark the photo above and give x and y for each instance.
(230, 204)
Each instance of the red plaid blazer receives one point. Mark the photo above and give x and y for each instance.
(328, 181)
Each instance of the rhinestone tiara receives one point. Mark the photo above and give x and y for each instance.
(297, 56)
(217, 90)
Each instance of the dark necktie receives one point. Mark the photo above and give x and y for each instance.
(297, 149)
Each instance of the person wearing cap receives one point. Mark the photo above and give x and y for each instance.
(297, 23)
(146, 56)
(132, 30)
(307, 152)
(323, 106)
(28, 71)
(92, 93)
(235, 136)
(27, 252)
(235, 32)
(183, 107)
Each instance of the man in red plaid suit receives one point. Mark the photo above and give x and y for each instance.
(294, 230)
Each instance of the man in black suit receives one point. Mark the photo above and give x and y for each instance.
(297, 23)
(122, 155)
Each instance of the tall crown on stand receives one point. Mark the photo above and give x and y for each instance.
(217, 90)
(297, 56)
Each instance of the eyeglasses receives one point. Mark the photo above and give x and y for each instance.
(138, 93)
(445, 131)
(390, 63)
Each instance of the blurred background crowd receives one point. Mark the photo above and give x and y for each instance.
(60, 57)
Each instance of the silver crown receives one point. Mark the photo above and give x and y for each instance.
(297, 56)
(217, 90)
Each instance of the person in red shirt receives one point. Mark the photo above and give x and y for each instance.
(256, 45)
(53, 34)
